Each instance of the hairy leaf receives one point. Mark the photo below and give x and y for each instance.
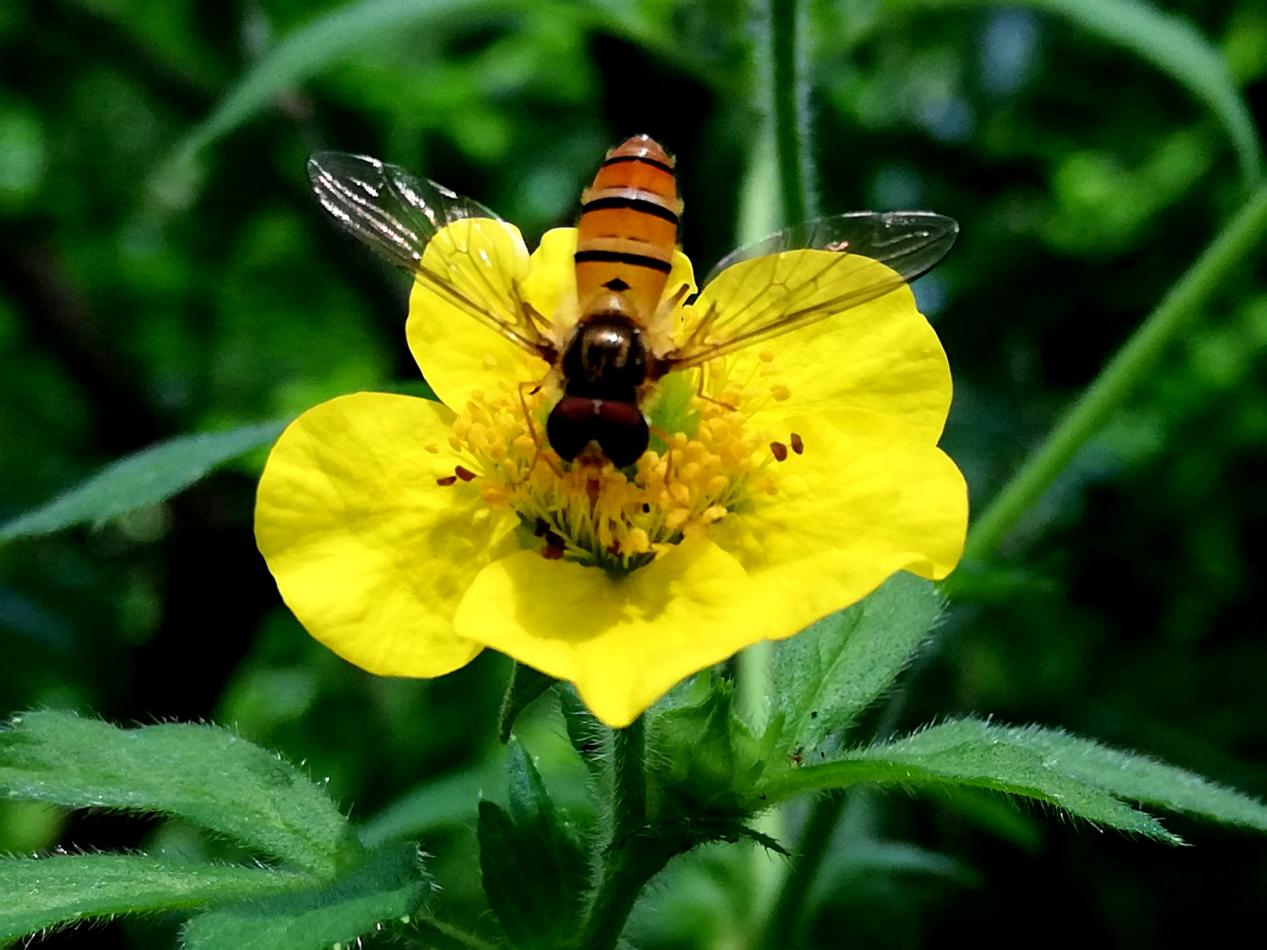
(65, 888)
(391, 885)
(535, 871)
(140, 480)
(1075, 775)
(827, 675)
(204, 774)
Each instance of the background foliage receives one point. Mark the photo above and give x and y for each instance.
(165, 271)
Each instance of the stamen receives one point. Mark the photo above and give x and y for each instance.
(798, 444)
(446, 481)
(594, 514)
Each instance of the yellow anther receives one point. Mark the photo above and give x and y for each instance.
(675, 518)
(780, 392)
(604, 516)
(766, 356)
(637, 542)
(494, 494)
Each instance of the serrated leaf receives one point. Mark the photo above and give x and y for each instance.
(1169, 42)
(977, 754)
(207, 775)
(1132, 776)
(827, 675)
(37, 893)
(535, 871)
(141, 480)
(391, 885)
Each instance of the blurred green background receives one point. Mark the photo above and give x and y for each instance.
(152, 285)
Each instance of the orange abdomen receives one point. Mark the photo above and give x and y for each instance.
(628, 227)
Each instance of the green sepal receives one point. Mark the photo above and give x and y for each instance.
(706, 760)
(536, 873)
(391, 885)
(524, 687)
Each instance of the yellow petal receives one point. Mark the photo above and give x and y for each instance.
(482, 259)
(624, 642)
(550, 284)
(367, 550)
(882, 356)
(868, 497)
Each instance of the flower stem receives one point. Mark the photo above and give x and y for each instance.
(630, 859)
(630, 806)
(627, 870)
(790, 100)
(1118, 379)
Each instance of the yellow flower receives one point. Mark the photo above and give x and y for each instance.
(407, 535)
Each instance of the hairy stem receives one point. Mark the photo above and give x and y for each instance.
(789, 98)
(629, 861)
(1132, 364)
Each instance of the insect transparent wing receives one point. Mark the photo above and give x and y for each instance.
(767, 300)
(396, 215)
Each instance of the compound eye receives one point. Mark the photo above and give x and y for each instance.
(571, 426)
(622, 433)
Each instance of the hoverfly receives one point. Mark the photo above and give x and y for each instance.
(627, 235)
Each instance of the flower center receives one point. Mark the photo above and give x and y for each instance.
(705, 461)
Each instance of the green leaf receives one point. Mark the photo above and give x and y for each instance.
(535, 871)
(1169, 42)
(977, 754)
(525, 686)
(140, 480)
(827, 675)
(204, 774)
(1131, 776)
(45, 892)
(391, 885)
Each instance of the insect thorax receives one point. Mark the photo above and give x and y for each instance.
(605, 359)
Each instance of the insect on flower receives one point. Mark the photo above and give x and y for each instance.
(620, 342)
(605, 435)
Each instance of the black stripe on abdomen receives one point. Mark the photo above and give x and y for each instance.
(642, 205)
(622, 257)
(617, 159)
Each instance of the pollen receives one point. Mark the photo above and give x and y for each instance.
(589, 511)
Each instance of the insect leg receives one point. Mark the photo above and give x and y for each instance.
(700, 394)
(526, 389)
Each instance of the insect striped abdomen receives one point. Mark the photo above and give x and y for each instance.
(628, 227)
